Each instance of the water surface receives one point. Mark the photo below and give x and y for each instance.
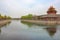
(17, 30)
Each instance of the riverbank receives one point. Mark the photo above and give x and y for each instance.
(3, 22)
(40, 22)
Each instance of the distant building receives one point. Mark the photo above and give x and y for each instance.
(51, 15)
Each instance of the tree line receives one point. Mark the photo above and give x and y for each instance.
(29, 16)
(4, 17)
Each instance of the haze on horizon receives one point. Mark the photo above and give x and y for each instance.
(18, 8)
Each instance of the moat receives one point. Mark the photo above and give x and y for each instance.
(18, 30)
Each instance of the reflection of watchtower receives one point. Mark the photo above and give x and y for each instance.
(51, 31)
(51, 10)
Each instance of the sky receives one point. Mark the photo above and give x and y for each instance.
(18, 8)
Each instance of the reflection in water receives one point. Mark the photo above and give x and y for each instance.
(31, 24)
(4, 25)
(23, 30)
(50, 29)
(27, 23)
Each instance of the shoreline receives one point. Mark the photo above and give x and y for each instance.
(40, 22)
(3, 22)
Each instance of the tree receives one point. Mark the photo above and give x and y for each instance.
(29, 16)
(8, 17)
(1, 17)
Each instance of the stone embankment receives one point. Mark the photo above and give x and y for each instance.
(42, 22)
(3, 22)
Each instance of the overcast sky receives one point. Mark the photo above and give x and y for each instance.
(18, 8)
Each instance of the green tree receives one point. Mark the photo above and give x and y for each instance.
(8, 17)
(29, 16)
(1, 17)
